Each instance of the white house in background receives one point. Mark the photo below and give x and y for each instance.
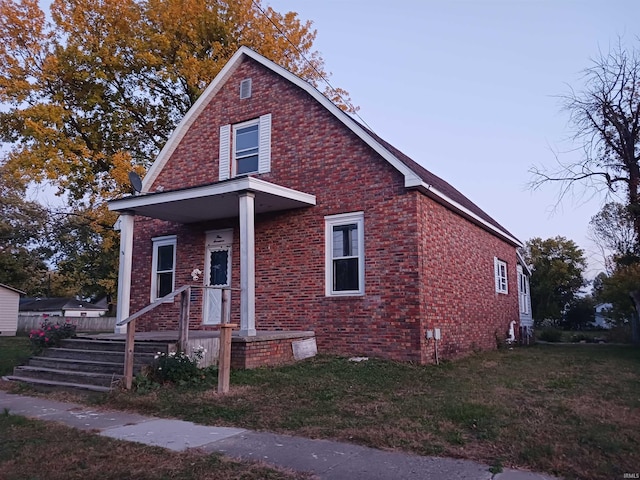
(60, 307)
(524, 299)
(9, 301)
(601, 318)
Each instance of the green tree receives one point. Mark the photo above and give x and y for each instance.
(613, 230)
(615, 290)
(85, 253)
(557, 265)
(580, 313)
(23, 249)
(605, 116)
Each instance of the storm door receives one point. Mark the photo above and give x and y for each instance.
(217, 274)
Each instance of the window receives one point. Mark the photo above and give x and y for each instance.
(245, 148)
(163, 266)
(500, 268)
(344, 237)
(523, 289)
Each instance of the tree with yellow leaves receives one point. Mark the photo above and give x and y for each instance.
(93, 91)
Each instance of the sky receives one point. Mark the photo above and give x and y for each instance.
(469, 89)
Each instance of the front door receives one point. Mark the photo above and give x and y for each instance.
(217, 274)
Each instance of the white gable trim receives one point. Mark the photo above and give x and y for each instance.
(411, 179)
(2, 285)
(522, 262)
(217, 83)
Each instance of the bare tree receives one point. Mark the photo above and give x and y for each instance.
(606, 120)
(612, 230)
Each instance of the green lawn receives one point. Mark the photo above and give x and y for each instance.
(37, 450)
(569, 410)
(13, 351)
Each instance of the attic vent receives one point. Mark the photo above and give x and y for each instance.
(245, 88)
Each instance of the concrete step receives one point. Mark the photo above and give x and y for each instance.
(55, 384)
(96, 355)
(114, 345)
(86, 363)
(67, 376)
(82, 365)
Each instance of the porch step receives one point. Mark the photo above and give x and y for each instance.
(51, 383)
(68, 376)
(113, 345)
(81, 365)
(96, 355)
(86, 364)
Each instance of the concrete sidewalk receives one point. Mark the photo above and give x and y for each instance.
(326, 459)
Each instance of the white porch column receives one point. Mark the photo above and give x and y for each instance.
(125, 224)
(247, 264)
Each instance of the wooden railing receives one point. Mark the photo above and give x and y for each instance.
(224, 362)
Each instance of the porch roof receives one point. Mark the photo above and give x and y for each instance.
(214, 201)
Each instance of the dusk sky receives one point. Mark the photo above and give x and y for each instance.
(469, 90)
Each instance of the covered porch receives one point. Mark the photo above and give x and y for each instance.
(240, 198)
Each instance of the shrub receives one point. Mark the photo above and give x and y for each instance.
(582, 337)
(179, 368)
(550, 335)
(50, 335)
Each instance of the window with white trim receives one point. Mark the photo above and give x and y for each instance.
(163, 266)
(500, 269)
(523, 290)
(344, 259)
(245, 148)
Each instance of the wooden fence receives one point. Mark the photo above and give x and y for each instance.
(26, 323)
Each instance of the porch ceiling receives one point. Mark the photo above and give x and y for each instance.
(211, 202)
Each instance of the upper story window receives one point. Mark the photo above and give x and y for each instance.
(245, 148)
(344, 237)
(163, 266)
(500, 269)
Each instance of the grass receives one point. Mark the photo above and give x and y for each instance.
(42, 450)
(618, 334)
(13, 351)
(572, 411)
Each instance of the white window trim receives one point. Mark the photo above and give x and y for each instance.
(331, 221)
(501, 287)
(227, 163)
(160, 242)
(523, 291)
(234, 161)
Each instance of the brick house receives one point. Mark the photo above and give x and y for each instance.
(325, 228)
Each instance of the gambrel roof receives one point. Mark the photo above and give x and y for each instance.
(415, 175)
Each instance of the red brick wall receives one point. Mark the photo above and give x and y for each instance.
(265, 353)
(313, 152)
(457, 275)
